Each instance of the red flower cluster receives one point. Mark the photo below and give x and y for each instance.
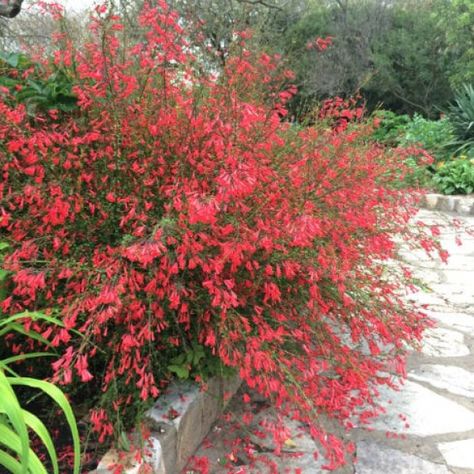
(341, 112)
(176, 208)
(321, 44)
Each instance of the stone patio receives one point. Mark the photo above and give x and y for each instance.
(438, 398)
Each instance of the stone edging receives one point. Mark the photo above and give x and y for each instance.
(463, 205)
(179, 421)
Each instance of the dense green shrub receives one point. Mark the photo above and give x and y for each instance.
(390, 127)
(431, 135)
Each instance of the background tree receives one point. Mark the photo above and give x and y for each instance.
(411, 62)
(456, 19)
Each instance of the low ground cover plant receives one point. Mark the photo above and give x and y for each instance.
(182, 227)
(455, 176)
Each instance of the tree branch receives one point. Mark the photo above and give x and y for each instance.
(263, 3)
(10, 8)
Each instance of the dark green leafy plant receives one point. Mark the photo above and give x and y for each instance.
(38, 91)
(461, 117)
(455, 177)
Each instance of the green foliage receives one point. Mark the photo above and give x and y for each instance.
(432, 135)
(456, 19)
(16, 453)
(391, 127)
(27, 84)
(410, 70)
(197, 360)
(461, 117)
(455, 177)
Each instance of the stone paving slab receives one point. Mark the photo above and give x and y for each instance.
(459, 453)
(374, 458)
(446, 377)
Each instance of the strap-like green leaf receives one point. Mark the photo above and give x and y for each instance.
(21, 330)
(10, 406)
(40, 429)
(21, 357)
(10, 439)
(34, 315)
(58, 396)
(10, 463)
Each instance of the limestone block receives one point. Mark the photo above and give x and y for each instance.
(152, 457)
(430, 201)
(446, 203)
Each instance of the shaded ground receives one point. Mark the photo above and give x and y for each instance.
(437, 436)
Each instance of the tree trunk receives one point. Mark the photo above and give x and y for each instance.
(10, 8)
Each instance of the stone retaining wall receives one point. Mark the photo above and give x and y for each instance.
(179, 421)
(463, 205)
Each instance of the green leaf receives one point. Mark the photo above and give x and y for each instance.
(40, 429)
(34, 315)
(11, 59)
(10, 463)
(59, 398)
(19, 358)
(21, 330)
(12, 441)
(181, 371)
(10, 406)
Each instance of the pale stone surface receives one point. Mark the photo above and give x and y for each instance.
(454, 277)
(431, 200)
(457, 293)
(374, 458)
(441, 342)
(171, 407)
(464, 209)
(425, 298)
(179, 421)
(298, 439)
(446, 203)
(286, 463)
(460, 321)
(465, 206)
(448, 377)
(459, 453)
(427, 412)
(152, 458)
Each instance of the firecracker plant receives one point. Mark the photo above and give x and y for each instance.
(178, 222)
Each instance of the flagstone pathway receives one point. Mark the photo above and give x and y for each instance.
(438, 398)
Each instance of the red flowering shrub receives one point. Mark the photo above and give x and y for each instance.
(340, 112)
(174, 213)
